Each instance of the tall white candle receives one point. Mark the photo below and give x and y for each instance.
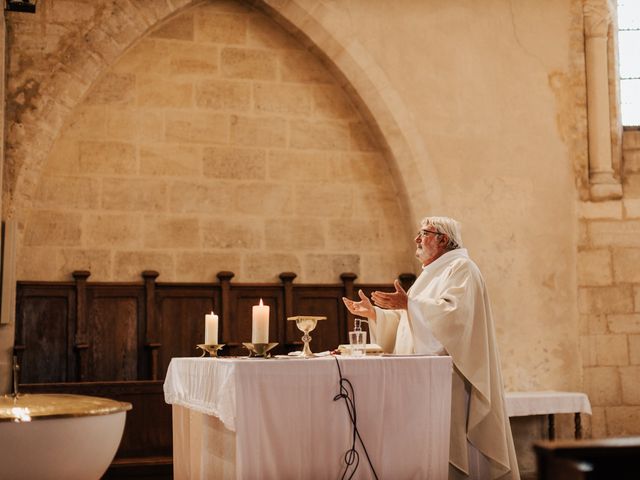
(260, 323)
(211, 329)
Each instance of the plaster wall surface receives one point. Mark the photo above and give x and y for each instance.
(487, 93)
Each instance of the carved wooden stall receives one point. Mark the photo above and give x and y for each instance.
(116, 340)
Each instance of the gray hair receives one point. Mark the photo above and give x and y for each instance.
(450, 227)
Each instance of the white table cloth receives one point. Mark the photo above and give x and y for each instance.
(546, 403)
(277, 418)
(549, 403)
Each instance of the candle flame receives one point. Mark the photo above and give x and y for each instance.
(211, 312)
(261, 302)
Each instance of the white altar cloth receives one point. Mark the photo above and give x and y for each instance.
(546, 403)
(288, 426)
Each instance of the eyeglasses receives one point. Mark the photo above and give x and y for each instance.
(424, 233)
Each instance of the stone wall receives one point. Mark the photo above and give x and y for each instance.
(216, 142)
(473, 108)
(186, 156)
(609, 301)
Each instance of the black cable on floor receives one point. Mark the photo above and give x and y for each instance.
(351, 456)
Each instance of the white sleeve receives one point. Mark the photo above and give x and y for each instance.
(384, 328)
(423, 339)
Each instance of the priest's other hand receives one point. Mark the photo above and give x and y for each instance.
(363, 308)
(397, 300)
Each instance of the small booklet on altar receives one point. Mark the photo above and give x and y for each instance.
(410, 355)
(370, 349)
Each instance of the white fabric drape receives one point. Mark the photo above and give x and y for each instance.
(288, 426)
(544, 403)
(448, 311)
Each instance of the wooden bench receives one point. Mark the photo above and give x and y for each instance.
(115, 340)
(605, 459)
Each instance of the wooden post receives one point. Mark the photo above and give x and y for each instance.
(346, 322)
(225, 308)
(287, 284)
(81, 344)
(552, 426)
(152, 329)
(287, 281)
(578, 424)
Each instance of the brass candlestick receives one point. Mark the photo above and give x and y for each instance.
(306, 324)
(211, 349)
(259, 349)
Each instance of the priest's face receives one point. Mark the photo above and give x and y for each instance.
(430, 244)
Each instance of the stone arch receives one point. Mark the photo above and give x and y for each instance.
(313, 23)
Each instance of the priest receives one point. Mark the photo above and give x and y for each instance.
(447, 312)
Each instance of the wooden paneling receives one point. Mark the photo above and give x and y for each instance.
(44, 333)
(115, 326)
(119, 332)
(180, 312)
(116, 341)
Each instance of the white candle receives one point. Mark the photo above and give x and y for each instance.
(211, 329)
(260, 323)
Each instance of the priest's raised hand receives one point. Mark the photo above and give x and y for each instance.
(363, 308)
(391, 301)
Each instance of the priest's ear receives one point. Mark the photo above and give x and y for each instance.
(444, 240)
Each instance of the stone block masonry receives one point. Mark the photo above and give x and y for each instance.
(609, 300)
(215, 142)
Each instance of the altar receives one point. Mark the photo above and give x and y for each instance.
(280, 418)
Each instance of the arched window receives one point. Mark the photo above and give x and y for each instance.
(629, 52)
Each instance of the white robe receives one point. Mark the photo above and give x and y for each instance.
(449, 313)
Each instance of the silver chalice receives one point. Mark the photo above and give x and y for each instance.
(306, 324)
